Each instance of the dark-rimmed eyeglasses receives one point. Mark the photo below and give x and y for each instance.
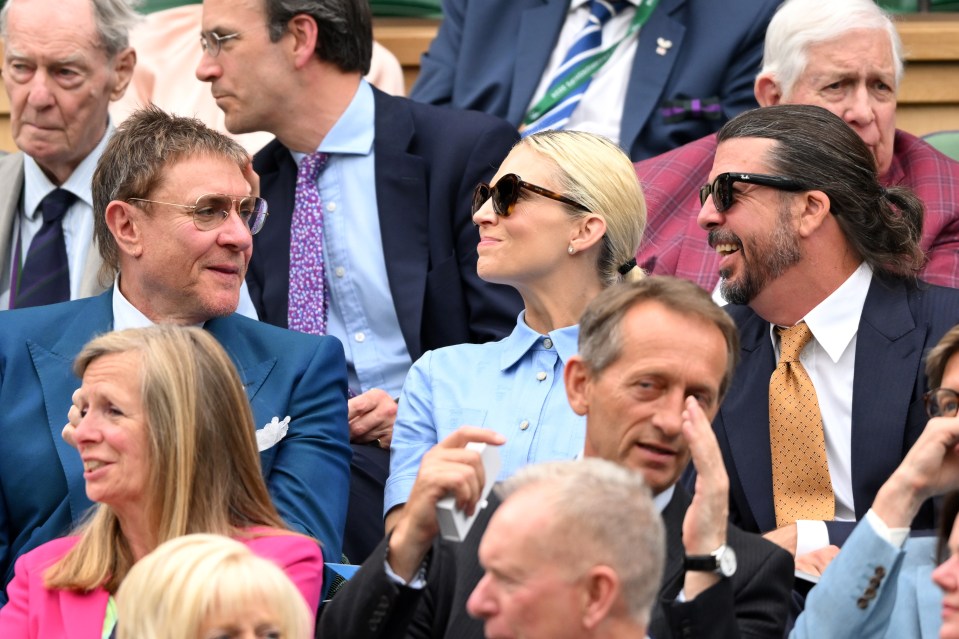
(722, 187)
(941, 402)
(506, 192)
(212, 209)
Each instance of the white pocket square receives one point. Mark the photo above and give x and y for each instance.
(269, 435)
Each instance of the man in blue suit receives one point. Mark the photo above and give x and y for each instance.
(178, 255)
(687, 70)
(810, 240)
(397, 242)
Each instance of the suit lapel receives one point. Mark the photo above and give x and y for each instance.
(11, 187)
(83, 614)
(889, 349)
(252, 371)
(650, 69)
(54, 367)
(537, 27)
(673, 516)
(745, 417)
(271, 246)
(402, 204)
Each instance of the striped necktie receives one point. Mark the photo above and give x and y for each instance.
(589, 41)
(45, 278)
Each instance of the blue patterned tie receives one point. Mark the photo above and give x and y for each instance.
(589, 41)
(309, 299)
(45, 278)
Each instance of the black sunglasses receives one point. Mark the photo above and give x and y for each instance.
(941, 402)
(506, 193)
(722, 187)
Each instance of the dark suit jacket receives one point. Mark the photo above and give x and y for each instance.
(285, 373)
(490, 55)
(428, 161)
(900, 322)
(753, 603)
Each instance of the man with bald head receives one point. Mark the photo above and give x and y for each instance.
(845, 57)
(64, 62)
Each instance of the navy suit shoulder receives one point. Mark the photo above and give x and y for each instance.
(902, 319)
(427, 162)
(490, 56)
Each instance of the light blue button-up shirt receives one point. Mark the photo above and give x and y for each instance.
(362, 315)
(513, 386)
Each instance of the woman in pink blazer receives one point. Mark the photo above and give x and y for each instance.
(166, 435)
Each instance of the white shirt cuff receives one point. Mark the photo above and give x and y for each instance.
(417, 583)
(810, 536)
(895, 536)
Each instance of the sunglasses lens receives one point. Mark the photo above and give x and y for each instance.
(723, 193)
(480, 194)
(505, 194)
(704, 191)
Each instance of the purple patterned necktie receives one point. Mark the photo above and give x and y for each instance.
(309, 299)
(45, 278)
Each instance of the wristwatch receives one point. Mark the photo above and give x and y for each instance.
(721, 561)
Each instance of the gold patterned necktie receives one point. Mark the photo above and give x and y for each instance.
(802, 488)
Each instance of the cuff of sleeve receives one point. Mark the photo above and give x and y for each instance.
(810, 536)
(418, 582)
(895, 536)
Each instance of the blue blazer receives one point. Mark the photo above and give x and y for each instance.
(490, 55)
(900, 322)
(875, 590)
(427, 162)
(285, 373)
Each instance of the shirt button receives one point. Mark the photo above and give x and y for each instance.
(548, 343)
(340, 271)
(359, 337)
(331, 206)
(541, 376)
(523, 425)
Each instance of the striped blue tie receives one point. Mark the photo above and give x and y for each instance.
(589, 41)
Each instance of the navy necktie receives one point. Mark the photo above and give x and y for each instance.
(45, 278)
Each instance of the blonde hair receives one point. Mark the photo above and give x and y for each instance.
(171, 592)
(203, 456)
(597, 174)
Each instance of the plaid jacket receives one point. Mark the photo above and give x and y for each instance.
(675, 245)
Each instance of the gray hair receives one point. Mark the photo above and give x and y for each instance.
(800, 24)
(603, 514)
(113, 19)
(345, 27)
(600, 328)
(816, 148)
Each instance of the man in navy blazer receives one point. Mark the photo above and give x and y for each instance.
(175, 263)
(398, 242)
(693, 67)
(806, 233)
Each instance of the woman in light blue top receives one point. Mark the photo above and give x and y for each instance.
(562, 221)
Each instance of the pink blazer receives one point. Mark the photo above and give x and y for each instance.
(35, 611)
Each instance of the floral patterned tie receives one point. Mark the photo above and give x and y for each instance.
(309, 295)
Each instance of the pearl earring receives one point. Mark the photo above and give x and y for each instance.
(570, 249)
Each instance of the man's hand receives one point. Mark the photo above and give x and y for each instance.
(786, 538)
(447, 469)
(930, 468)
(73, 420)
(371, 416)
(704, 527)
(815, 562)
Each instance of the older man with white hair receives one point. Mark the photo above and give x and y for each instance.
(845, 56)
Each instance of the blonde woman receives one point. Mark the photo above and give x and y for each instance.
(561, 221)
(167, 441)
(208, 586)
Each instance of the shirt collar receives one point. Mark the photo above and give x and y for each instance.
(37, 185)
(126, 315)
(835, 320)
(523, 339)
(353, 132)
(662, 499)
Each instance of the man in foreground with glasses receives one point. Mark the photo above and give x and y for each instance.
(880, 585)
(176, 209)
(845, 57)
(370, 238)
(819, 263)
